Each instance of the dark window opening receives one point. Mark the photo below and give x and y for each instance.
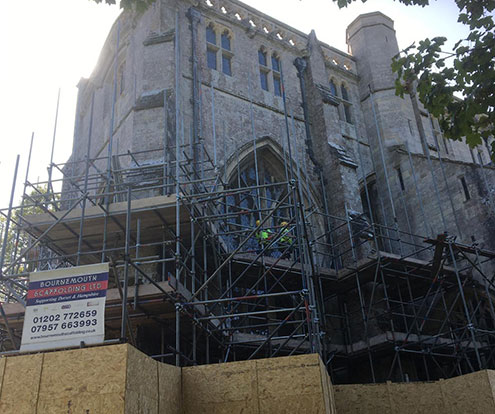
(465, 188)
(333, 88)
(345, 95)
(264, 80)
(275, 63)
(347, 112)
(211, 36)
(262, 57)
(225, 41)
(401, 178)
(277, 85)
(211, 57)
(347, 106)
(227, 64)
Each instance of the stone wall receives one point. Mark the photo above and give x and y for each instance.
(344, 152)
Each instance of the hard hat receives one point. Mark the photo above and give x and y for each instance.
(284, 223)
(258, 222)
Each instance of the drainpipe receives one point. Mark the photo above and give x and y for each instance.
(194, 17)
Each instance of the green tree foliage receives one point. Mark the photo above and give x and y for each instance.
(457, 86)
(38, 201)
(137, 5)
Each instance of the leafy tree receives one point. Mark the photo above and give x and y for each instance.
(457, 87)
(38, 201)
(138, 5)
(468, 72)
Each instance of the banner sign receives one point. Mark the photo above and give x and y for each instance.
(65, 307)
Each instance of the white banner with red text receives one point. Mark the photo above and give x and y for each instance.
(65, 307)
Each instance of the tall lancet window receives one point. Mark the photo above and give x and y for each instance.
(347, 104)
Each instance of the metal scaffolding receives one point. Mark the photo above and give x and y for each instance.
(196, 283)
(207, 267)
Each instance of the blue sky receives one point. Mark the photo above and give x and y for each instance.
(51, 44)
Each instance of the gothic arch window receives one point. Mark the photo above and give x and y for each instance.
(259, 185)
(225, 40)
(248, 201)
(226, 46)
(211, 36)
(334, 91)
(264, 69)
(346, 103)
(219, 51)
(276, 71)
(345, 94)
(266, 172)
(333, 87)
(211, 47)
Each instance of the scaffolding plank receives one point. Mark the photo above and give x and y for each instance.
(465, 248)
(61, 237)
(150, 296)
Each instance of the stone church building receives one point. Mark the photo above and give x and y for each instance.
(295, 175)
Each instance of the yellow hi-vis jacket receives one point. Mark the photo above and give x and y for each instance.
(263, 236)
(285, 238)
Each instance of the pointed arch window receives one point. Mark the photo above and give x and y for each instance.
(277, 82)
(265, 183)
(333, 88)
(345, 95)
(211, 36)
(259, 190)
(225, 42)
(266, 171)
(219, 55)
(211, 47)
(264, 69)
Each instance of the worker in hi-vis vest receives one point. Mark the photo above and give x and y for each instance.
(263, 236)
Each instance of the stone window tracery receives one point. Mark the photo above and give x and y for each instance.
(270, 71)
(333, 87)
(264, 69)
(219, 54)
(211, 47)
(225, 43)
(277, 82)
(211, 36)
(256, 202)
(225, 40)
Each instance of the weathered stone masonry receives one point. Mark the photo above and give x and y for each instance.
(355, 144)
